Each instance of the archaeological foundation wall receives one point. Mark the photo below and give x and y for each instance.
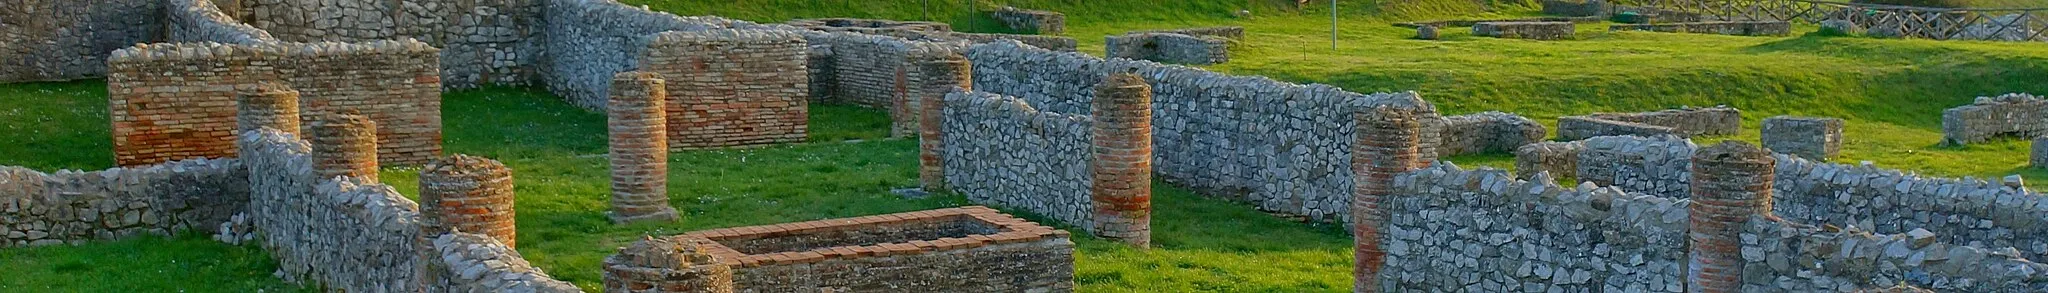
(74, 207)
(1169, 48)
(54, 40)
(609, 38)
(1000, 151)
(177, 101)
(1282, 147)
(2008, 115)
(732, 87)
(193, 21)
(1684, 122)
(1032, 21)
(1489, 131)
(966, 249)
(483, 42)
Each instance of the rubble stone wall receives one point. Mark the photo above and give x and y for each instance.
(732, 87)
(478, 263)
(1571, 128)
(189, 113)
(1488, 132)
(1790, 257)
(1816, 138)
(201, 21)
(1658, 166)
(1542, 30)
(1055, 43)
(1170, 48)
(1964, 211)
(608, 38)
(1684, 122)
(1558, 158)
(1032, 21)
(73, 207)
(2008, 115)
(482, 41)
(1227, 32)
(1485, 231)
(52, 40)
(1282, 147)
(1000, 151)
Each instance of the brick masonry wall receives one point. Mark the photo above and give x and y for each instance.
(1031, 21)
(999, 151)
(639, 148)
(1485, 231)
(1816, 138)
(73, 207)
(396, 83)
(1731, 184)
(2008, 115)
(469, 194)
(1385, 144)
(999, 253)
(270, 104)
(1488, 132)
(937, 77)
(608, 37)
(868, 70)
(1278, 146)
(1525, 30)
(731, 88)
(344, 145)
(50, 40)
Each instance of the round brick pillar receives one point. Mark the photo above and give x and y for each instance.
(666, 265)
(1122, 161)
(639, 148)
(469, 194)
(270, 104)
(1388, 141)
(1731, 183)
(345, 144)
(938, 76)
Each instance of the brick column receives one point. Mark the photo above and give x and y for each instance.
(1731, 182)
(1122, 162)
(271, 105)
(345, 144)
(1388, 142)
(937, 77)
(469, 194)
(639, 149)
(665, 265)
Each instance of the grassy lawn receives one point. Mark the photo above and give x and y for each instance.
(1891, 91)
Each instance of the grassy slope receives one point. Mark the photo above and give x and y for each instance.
(1891, 90)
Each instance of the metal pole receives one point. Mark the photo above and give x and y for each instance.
(1333, 24)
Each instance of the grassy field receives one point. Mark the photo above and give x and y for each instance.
(1891, 91)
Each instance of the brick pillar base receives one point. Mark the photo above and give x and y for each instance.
(639, 155)
(469, 194)
(665, 265)
(1731, 183)
(270, 104)
(1122, 161)
(937, 76)
(1387, 143)
(345, 144)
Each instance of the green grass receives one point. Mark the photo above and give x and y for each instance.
(190, 263)
(1891, 92)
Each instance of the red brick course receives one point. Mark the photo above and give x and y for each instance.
(1731, 183)
(469, 194)
(1122, 161)
(728, 89)
(1387, 143)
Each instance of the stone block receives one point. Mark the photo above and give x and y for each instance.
(1525, 30)
(1816, 138)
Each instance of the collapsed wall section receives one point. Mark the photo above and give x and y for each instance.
(72, 207)
(732, 87)
(608, 38)
(1283, 147)
(1485, 231)
(2008, 115)
(53, 40)
(176, 101)
(1000, 151)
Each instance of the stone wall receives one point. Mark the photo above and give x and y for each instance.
(967, 249)
(478, 263)
(1485, 231)
(200, 21)
(1575, 8)
(1789, 257)
(732, 87)
(51, 40)
(72, 207)
(1055, 43)
(1733, 28)
(866, 69)
(1684, 122)
(1281, 147)
(1525, 30)
(1032, 21)
(1488, 132)
(1655, 165)
(482, 41)
(999, 151)
(396, 83)
(608, 38)
(1557, 158)
(2008, 115)
(1816, 138)
(1961, 211)
(1227, 32)
(1169, 48)
(915, 30)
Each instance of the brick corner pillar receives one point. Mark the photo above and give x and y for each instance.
(1388, 141)
(666, 265)
(639, 148)
(1731, 182)
(270, 104)
(1122, 160)
(469, 194)
(345, 144)
(936, 78)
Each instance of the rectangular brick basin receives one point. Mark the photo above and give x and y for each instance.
(966, 249)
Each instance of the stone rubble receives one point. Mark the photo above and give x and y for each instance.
(1489, 131)
(1815, 138)
(2008, 115)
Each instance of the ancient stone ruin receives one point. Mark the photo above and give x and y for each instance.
(1032, 21)
(639, 148)
(1533, 30)
(1489, 131)
(1815, 138)
(1195, 46)
(1683, 122)
(2008, 115)
(1733, 28)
